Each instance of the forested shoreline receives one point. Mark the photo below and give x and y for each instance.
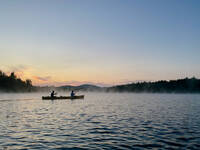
(187, 85)
(10, 83)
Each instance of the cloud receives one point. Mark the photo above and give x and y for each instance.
(16, 68)
(44, 79)
(20, 71)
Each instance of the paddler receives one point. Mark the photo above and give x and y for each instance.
(53, 94)
(72, 93)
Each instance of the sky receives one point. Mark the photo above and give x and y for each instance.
(102, 42)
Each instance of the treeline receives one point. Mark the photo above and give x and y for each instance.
(187, 85)
(10, 83)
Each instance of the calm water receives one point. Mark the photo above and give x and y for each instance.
(100, 121)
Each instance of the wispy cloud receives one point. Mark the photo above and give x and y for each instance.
(20, 70)
(46, 78)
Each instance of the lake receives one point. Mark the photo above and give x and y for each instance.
(100, 121)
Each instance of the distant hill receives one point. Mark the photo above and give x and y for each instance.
(84, 87)
(187, 85)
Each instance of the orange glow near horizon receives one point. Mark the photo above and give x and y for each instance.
(56, 80)
(61, 80)
(75, 76)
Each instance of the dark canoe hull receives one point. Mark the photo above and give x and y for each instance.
(62, 97)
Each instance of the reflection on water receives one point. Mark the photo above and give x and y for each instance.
(100, 121)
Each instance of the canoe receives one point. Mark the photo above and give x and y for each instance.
(62, 97)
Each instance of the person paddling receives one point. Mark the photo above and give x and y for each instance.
(72, 93)
(53, 94)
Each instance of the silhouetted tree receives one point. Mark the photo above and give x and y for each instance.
(13, 84)
(12, 75)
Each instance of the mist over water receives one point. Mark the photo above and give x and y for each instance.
(100, 121)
